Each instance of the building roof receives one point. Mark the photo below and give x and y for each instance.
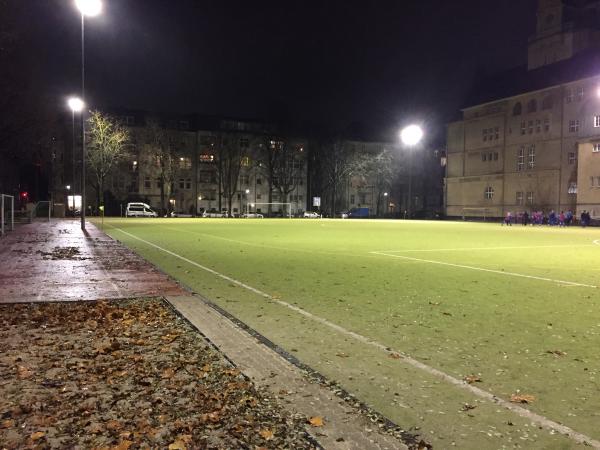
(519, 80)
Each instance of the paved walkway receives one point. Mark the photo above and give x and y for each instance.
(56, 261)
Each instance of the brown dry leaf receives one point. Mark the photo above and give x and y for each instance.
(316, 421)
(95, 428)
(394, 355)
(177, 445)
(37, 435)
(266, 434)
(472, 379)
(556, 352)
(24, 372)
(168, 373)
(123, 445)
(522, 398)
(113, 425)
(8, 423)
(342, 355)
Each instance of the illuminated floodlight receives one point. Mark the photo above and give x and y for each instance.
(411, 135)
(76, 104)
(89, 8)
(247, 191)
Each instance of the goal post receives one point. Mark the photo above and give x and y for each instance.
(7, 213)
(475, 213)
(283, 205)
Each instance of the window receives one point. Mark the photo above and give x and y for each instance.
(596, 148)
(244, 143)
(568, 95)
(489, 193)
(185, 163)
(495, 156)
(546, 124)
(573, 126)
(362, 198)
(531, 157)
(258, 196)
(538, 125)
(572, 189)
(530, 198)
(521, 159)
(245, 161)
(517, 109)
(483, 156)
(530, 127)
(245, 180)
(596, 121)
(147, 183)
(580, 92)
(206, 158)
(519, 198)
(496, 133)
(181, 183)
(158, 183)
(532, 106)
(571, 158)
(484, 134)
(259, 181)
(592, 179)
(547, 102)
(490, 156)
(523, 128)
(188, 183)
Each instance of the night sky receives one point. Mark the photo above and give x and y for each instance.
(377, 63)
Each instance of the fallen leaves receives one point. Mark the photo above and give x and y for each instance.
(522, 398)
(470, 379)
(394, 355)
(128, 374)
(556, 352)
(316, 421)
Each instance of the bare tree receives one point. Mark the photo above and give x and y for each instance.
(162, 152)
(267, 161)
(377, 170)
(229, 164)
(286, 170)
(107, 146)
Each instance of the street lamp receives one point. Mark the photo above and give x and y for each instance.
(410, 137)
(88, 8)
(76, 106)
(247, 192)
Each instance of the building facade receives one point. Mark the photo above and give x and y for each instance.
(532, 139)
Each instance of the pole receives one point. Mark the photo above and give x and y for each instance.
(409, 183)
(83, 200)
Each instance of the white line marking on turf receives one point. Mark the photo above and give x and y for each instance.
(467, 249)
(522, 412)
(597, 242)
(481, 269)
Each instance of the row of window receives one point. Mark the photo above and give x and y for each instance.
(532, 106)
(520, 196)
(491, 134)
(526, 155)
(491, 156)
(595, 182)
(529, 126)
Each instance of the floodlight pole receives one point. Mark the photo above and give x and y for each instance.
(83, 162)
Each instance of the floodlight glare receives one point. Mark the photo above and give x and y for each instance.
(247, 191)
(75, 104)
(411, 135)
(89, 8)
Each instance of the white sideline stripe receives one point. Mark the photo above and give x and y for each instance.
(481, 269)
(522, 412)
(597, 242)
(465, 249)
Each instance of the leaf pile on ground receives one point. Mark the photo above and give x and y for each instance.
(71, 253)
(125, 375)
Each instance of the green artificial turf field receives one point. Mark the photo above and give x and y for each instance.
(516, 308)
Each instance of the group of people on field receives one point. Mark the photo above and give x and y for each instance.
(563, 219)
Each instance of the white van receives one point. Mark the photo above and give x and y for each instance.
(139, 210)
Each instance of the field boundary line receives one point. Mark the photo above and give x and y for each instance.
(483, 269)
(464, 249)
(540, 420)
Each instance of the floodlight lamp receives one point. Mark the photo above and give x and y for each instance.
(247, 191)
(385, 194)
(411, 135)
(68, 186)
(89, 8)
(76, 104)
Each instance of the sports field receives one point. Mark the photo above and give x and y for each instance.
(400, 313)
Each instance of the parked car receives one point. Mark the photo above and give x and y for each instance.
(136, 209)
(311, 215)
(252, 216)
(214, 213)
